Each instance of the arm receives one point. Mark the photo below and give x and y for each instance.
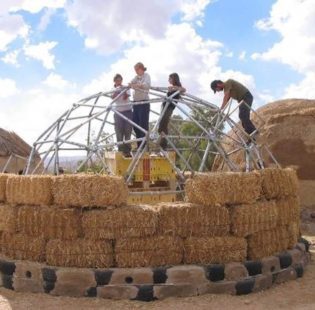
(226, 98)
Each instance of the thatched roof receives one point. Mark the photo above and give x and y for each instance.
(11, 143)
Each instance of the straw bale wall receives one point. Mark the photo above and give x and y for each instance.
(89, 191)
(20, 246)
(279, 183)
(33, 190)
(224, 188)
(214, 250)
(187, 219)
(127, 221)
(50, 222)
(251, 218)
(149, 251)
(8, 215)
(84, 220)
(79, 253)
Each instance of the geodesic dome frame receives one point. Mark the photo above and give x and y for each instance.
(88, 128)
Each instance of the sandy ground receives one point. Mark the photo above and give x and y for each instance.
(299, 294)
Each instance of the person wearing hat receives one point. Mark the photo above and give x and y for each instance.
(141, 84)
(235, 90)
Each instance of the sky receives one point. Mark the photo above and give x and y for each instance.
(56, 52)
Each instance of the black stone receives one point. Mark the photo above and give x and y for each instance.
(145, 293)
(91, 292)
(245, 286)
(299, 270)
(215, 272)
(159, 275)
(285, 260)
(48, 286)
(7, 282)
(103, 277)
(253, 267)
(49, 275)
(7, 268)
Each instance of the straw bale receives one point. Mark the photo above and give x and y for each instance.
(221, 188)
(8, 215)
(123, 222)
(252, 218)
(3, 182)
(89, 190)
(187, 219)
(80, 253)
(293, 229)
(268, 242)
(214, 250)
(288, 210)
(278, 183)
(149, 251)
(50, 222)
(31, 190)
(22, 247)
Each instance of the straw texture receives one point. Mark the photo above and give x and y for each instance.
(49, 222)
(214, 250)
(288, 210)
(187, 219)
(32, 190)
(123, 222)
(3, 182)
(8, 215)
(218, 188)
(89, 191)
(252, 218)
(79, 253)
(150, 251)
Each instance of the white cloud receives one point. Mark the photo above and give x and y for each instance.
(42, 53)
(303, 89)
(11, 58)
(8, 88)
(242, 55)
(107, 25)
(54, 80)
(294, 20)
(35, 6)
(45, 19)
(11, 28)
(193, 10)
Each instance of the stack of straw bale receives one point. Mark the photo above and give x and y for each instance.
(89, 191)
(268, 242)
(8, 214)
(22, 247)
(278, 183)
(249, 219)
(3, 182)
(79, 253)
(288, 210)
(187, 219)
(224, 188)
(214, 250)
(123, 222)
(149, 251)
(32, 190)
(50, 222)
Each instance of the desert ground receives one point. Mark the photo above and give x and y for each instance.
(298, 294)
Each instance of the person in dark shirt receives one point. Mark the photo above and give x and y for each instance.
(175, 85)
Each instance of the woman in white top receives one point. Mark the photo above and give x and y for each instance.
(122, 127)
(141, 84)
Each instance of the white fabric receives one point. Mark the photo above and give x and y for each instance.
(121, 103)
(144, 81)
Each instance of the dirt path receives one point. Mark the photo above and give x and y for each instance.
(299, 294)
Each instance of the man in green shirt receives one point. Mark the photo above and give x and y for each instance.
(237, 91)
